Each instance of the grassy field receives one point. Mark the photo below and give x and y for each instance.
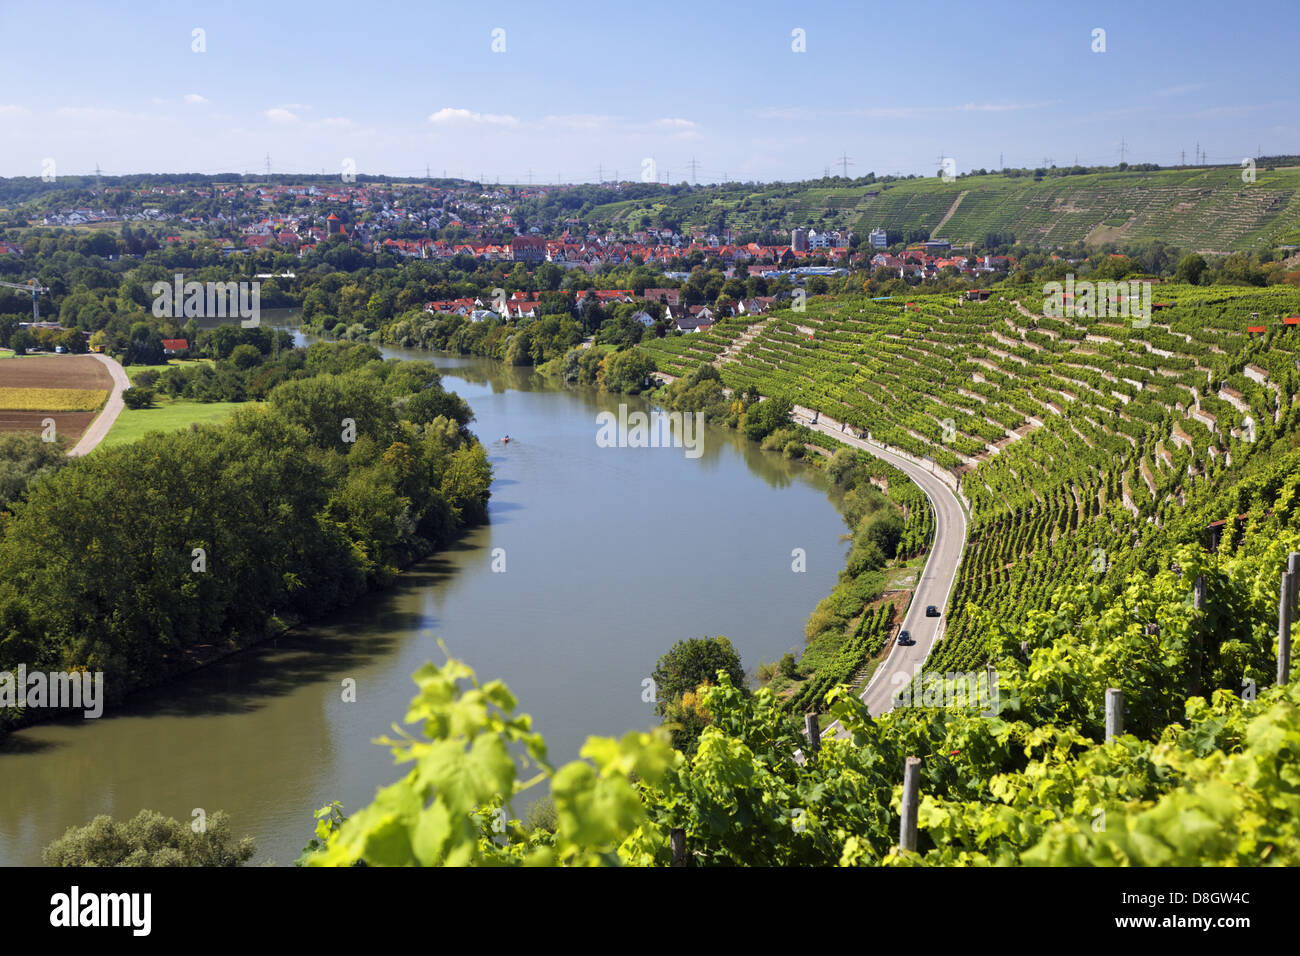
(133, 370)
(170, 415)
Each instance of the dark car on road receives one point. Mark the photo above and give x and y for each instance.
(931, 611)
(905, 638)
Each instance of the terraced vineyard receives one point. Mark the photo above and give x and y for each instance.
(678, 354)
(1208, 209)
(1074, 440)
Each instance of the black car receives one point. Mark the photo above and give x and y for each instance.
(931, 611)
(905, 638)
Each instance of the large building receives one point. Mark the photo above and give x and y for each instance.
(528, 249)
(799, 240)
(879, 238)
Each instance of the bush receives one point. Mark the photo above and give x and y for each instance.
(150, 839)
(138, 397)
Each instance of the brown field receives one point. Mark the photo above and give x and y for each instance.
(55, 371)
(52, 371)
(67, 425)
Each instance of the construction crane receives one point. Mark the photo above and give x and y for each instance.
(35, 288)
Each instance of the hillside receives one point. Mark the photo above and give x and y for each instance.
(1077, 442)
(1203, 209)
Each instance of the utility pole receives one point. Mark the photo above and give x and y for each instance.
(268, 165)
(530, 177)
(845, 163)
(694, 167)
(1198, 153)
(1182, 157)
(1123, 148)
(1000, 164)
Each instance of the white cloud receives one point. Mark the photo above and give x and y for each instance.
(336, 122)
(451, 115)
(194, 99)
(11, 109)
(674, 123)
(280, 115)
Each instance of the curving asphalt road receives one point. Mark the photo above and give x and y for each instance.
(937, 577)
(112, 408)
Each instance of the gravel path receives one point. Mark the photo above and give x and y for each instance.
(112, 408)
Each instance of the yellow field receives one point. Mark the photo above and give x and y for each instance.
(52, 399)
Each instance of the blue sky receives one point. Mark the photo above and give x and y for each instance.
(582, 88)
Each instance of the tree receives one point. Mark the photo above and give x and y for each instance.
(763, 418)
(246, 356)
(693, 662)
(21, 341)
(627, 371)
(149, 839)
(1191, 268)
(138, 397)
(23, 459)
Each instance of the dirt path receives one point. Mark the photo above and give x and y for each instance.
(112, 408)
(934, 233)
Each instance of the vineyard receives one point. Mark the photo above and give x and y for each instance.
(1074, 440)
(1209, 209)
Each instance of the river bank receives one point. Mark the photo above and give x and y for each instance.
(610, 556)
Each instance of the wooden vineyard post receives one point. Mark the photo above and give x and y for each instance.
(677, 840)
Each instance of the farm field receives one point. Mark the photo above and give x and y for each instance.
(70, 389)
(168, 416)
(56, 371)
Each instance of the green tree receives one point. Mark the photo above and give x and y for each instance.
(245, 356)
(1191, 268)
(693, 662)
(150, 839)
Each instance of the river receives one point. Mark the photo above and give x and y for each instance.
(611, 555)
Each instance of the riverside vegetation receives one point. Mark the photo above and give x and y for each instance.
(129, 560)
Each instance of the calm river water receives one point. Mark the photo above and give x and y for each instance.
(611, 555)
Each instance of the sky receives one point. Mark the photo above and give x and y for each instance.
(580, 92)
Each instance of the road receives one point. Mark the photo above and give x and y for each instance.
(937, 578)
(112, 408)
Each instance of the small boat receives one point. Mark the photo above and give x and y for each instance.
(506, 440)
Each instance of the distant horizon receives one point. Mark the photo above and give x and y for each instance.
(362, 178)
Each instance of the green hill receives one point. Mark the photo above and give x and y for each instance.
(1205, 209)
